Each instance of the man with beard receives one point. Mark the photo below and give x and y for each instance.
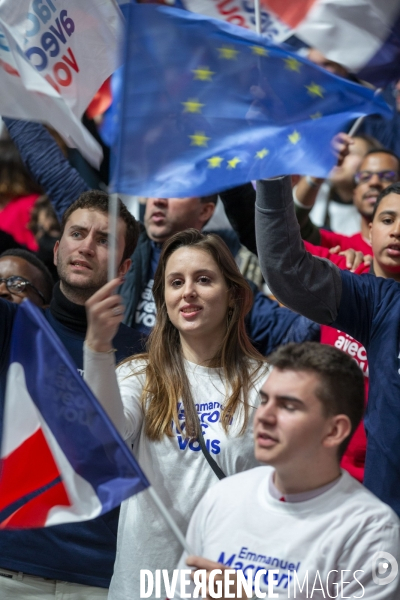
(75, 560)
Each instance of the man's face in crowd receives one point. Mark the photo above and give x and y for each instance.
(166, 216)
(81, 255)
(11, 266)
(290, 427)
(385, 237)
(366, 193)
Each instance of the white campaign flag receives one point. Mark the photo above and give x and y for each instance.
(54, 56)
(240, 12)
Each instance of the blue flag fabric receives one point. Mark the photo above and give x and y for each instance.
(207, 105)
(62, 459)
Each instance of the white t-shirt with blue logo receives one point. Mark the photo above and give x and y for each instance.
(313, 545)
(178, 471)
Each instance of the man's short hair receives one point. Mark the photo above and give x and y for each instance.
(97, 200)
(341, 389)
(47, 280)
(393, 188)
(213, 198)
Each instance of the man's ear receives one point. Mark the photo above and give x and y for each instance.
(124, 267)
(370, 233)
(339, 429)
(55, 252)
(207, 211)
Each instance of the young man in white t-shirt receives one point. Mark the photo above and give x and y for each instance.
(299, 527)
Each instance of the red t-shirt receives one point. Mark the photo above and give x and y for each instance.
(14, 219)
(329, 239)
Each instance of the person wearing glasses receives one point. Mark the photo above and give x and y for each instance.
(378, 169)
(23, 275)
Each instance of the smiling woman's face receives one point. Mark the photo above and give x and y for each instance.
(196, 294)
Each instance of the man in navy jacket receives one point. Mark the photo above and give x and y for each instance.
(76, 559)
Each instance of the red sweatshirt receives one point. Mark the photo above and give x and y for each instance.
(329, 239)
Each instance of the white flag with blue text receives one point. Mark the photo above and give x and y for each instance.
(54, 56)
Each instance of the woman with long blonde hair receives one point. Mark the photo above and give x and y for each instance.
(199, 377)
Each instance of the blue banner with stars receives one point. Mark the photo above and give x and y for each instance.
(207, 105)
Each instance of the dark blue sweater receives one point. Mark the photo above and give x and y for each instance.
(370, 312)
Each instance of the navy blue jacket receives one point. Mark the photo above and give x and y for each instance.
(370, 312)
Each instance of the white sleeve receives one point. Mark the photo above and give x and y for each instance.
(378, 546)
(122, 407)
(131, 385)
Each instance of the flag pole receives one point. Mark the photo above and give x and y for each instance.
(113, 211)
(112, 235)
(163, 510)
(358, 122)
(257, 12)
(356, 125)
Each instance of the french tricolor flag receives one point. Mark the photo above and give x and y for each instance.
(361, 35)
(62, 460)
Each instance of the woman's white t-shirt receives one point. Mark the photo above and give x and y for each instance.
(178, 471)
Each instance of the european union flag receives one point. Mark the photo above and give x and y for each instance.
(207, 105)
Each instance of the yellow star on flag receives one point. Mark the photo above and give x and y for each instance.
(192, 106)
(315, 90)
(233, 162)
(259, 50)
(294, 137)
(214, 162)
(203, 74)
(262, 153)
(316, 115)
(199, 139)
(228, 52)
(292, 64)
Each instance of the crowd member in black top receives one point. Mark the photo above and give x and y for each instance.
(76, 558)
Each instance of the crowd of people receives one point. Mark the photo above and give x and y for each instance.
(284, 387)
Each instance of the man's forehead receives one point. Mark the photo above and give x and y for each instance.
(282, 381)
(391, 203)
(15, 265)
(379, 161)
(87, 217)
